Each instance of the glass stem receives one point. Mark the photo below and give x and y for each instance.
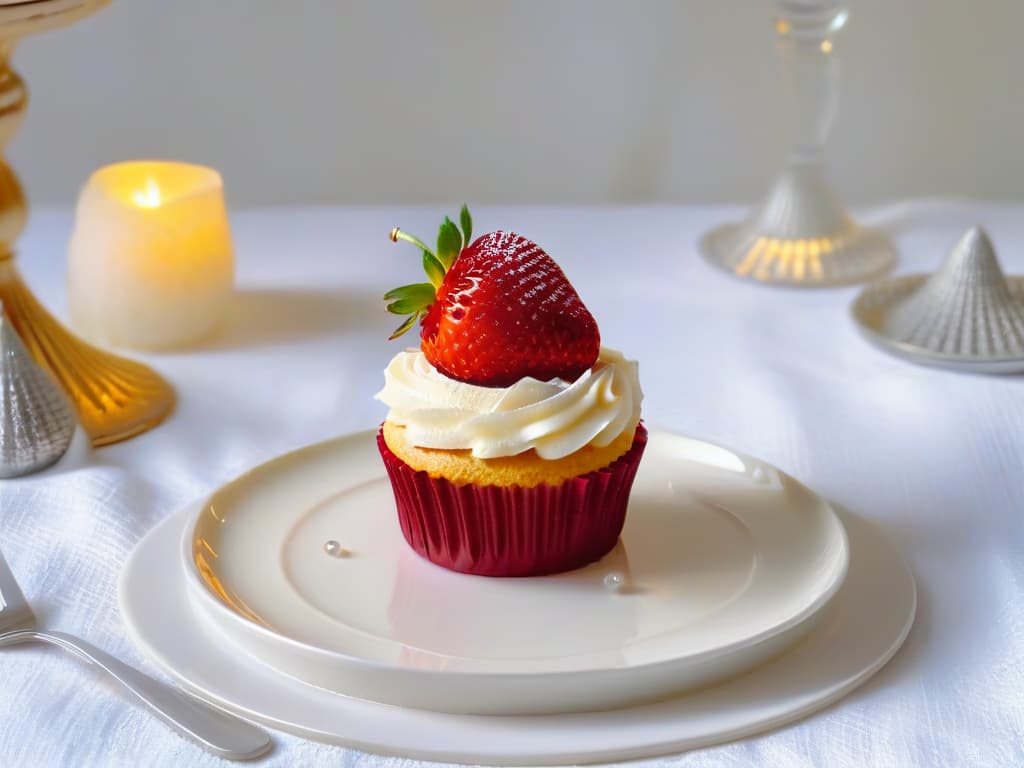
(812, 71)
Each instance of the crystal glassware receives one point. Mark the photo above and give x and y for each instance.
(801, 234)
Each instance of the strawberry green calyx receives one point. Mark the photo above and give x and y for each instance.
(467, 226)
(414, 300)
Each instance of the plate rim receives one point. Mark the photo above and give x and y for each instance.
(198, 588)
(554, 751)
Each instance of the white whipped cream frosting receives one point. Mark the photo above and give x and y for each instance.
(555, 418)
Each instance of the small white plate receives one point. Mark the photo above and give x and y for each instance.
(865, 625)
(725, 562)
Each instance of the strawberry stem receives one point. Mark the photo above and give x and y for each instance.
(416, 299)
(397, 234)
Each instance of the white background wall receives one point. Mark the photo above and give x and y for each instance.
(546, 101)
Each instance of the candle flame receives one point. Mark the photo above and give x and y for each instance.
(148, 197)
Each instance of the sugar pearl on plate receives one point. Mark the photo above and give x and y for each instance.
(334, 549)
(614, 581)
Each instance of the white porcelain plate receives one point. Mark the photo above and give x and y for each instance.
(723, 562)
(864, 626)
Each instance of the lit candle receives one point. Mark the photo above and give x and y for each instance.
(150, 262)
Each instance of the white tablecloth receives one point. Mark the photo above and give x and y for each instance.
(937, 457)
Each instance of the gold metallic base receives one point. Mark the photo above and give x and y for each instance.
(115, 398)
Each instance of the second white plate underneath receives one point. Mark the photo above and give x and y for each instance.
(724, 563)
(863, 628)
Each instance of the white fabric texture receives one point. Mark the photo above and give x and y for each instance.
(936, 457)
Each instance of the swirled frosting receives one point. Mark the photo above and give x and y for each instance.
(555, 418)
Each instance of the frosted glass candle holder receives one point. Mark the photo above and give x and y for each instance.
(150, 263)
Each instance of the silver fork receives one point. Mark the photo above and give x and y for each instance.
(219, 732)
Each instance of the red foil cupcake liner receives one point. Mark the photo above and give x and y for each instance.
(491, 530)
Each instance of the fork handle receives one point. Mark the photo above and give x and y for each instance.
(218, 731)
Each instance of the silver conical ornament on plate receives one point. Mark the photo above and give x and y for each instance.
(968, 315)
(36, 419)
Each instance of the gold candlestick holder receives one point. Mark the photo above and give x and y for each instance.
(115, 398)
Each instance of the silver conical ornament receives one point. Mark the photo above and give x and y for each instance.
(36, 419)
(968, 315)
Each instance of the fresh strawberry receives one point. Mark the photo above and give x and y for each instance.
(496, 310)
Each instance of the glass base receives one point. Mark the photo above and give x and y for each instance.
(854, 255)
(800, 235)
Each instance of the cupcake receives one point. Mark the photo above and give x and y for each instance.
(512, 436)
